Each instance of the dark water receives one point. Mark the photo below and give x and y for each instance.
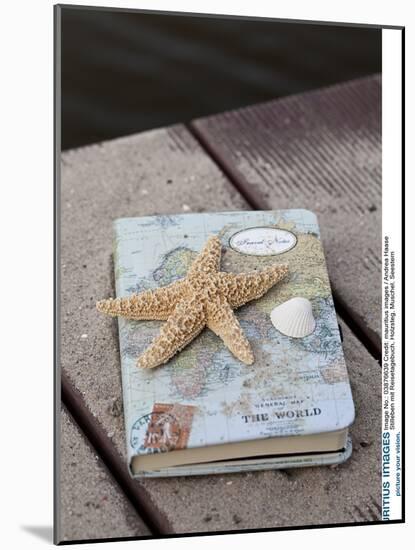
(128, 72)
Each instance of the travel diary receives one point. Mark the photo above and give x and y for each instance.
(205, 411)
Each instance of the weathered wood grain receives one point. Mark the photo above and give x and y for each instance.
(161, 172)
(92, 505)
(319, 150)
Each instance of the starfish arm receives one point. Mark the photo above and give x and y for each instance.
(222, 321)
(244, 287)
(208, 260)
(155, 304)
(185, 323)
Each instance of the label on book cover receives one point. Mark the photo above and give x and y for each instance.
(204, 395)
(263, 241)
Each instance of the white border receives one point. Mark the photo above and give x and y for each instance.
(391, 230)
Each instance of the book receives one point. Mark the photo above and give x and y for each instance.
(204, 411)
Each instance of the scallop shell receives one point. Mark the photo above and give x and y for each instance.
(294, 318)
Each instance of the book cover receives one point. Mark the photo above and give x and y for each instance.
(205, 396)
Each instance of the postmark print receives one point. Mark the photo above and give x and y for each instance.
(166, 428)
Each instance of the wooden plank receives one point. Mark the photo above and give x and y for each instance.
(162, 171)
(320, 150)
(100, 183)
(92, 505)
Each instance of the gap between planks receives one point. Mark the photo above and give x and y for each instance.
(363, 333)
(155, 520)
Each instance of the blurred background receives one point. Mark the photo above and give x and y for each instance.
(127, 72)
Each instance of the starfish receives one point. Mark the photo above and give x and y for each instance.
(205, 297)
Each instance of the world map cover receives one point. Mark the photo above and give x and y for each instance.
(205, 396)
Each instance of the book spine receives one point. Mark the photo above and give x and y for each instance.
(118, 254)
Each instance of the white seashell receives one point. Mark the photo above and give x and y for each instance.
(294, 318)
